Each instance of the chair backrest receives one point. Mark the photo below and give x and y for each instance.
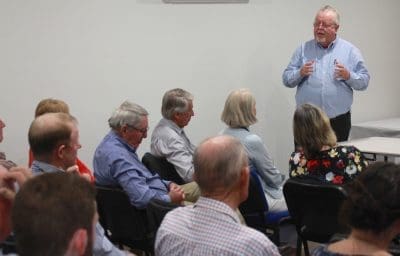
(156, 211)
(256, 203)
(165, 169)
(315, 208)
(124, 224)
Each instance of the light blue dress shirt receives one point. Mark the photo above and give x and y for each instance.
(321, 88)
(259, 158)
(101, 246)
(116, 163)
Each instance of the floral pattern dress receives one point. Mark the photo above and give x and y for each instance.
(337, 165)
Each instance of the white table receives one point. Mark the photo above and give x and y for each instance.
(381, 128)
(385, 146)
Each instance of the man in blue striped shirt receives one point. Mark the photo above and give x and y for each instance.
(326, 70)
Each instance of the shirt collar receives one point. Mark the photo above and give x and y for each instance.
(171, 124)
(330, 46)
(45, 167)
(217, 206)
(115, 136)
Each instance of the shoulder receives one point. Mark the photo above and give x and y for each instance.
(322, 250)
(257, 242)
(346, 43)
(177, 215)
(252, 138)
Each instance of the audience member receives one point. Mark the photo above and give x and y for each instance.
(211, 226)
(372, 210)
(3, 161)
(54, 141)
(9, 179)
(318, 156)
(50, 105)
(169, 139)
(326, 70)
(116, 162)
(55, 214)
(239, 113)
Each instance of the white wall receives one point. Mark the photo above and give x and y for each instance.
(96, 53)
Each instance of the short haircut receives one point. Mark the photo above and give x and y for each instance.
(312, 129)
(51, 105)
(129, 114)
(218, 162)
(328, 8)
(48, 131)
(374, 198)
(47, 211)
(239, 109)
(175, 101)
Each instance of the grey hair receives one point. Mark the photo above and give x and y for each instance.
(218, 162)
(239, 109)
(175, 101)
(328, 8)
(128, 113)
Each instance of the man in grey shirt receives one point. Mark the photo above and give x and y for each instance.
(169, 139)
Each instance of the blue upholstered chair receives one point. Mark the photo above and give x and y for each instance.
(256, 212)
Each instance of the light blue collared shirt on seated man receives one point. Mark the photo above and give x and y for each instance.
(102, 246)
(321, 88)
(116, 163)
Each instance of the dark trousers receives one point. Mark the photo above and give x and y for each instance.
(341, 125)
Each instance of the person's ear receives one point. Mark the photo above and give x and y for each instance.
(60, 150)
(78, 243)
(244, 180)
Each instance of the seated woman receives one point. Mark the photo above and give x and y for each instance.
(55, 106)
(239, 113)
(372, 210)
(318, 157)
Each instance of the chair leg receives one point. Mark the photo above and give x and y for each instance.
(299, 246)
(305, 245)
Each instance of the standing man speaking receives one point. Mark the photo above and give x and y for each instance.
(326, 70)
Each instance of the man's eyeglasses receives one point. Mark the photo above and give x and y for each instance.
(143, 130)
(323, 25)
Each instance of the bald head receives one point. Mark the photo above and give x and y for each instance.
(48, 131)
(218, 162)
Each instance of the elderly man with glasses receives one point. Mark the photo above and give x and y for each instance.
(326, 70)
(116, 162)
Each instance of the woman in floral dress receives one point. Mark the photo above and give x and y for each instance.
(318, 157)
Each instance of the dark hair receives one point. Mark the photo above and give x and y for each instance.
(48, 210)
(48, 131)
(374, 198)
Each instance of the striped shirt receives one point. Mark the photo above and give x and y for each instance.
(209, 227)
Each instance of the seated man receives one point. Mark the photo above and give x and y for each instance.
(51, 218)
(168, 138)
(211, 226)
(116, 162)
(54, 141)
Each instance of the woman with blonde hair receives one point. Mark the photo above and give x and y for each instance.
(239, 113)
(318, 157)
